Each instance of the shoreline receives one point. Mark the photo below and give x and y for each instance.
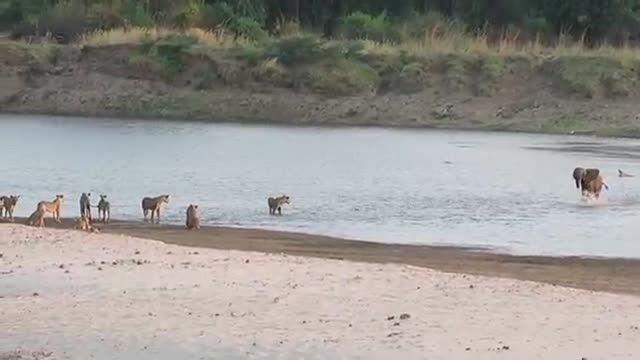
(337, 124)
(615, 275)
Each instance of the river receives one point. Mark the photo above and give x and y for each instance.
(502, 191)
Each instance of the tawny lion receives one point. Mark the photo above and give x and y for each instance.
(9, 205)
(104, 209)
(276, 204)
(591, 182)
(193, 219)
(154, 204)
(84, 223)
(54, 207)
(37, 217)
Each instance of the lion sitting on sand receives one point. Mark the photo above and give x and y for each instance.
(84, 223)
(37, 217)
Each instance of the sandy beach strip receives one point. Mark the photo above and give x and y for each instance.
(109, 296)
(598, 274)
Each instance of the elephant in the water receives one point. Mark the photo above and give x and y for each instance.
(578, 174)
(589, 180)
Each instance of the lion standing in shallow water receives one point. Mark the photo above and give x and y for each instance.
(104, 209)
(193, 219)
(591, 182)
(276, 204)
(153, 205)
(9, 205)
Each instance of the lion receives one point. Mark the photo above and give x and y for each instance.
(591, 183)
(154, 204)
(193, 219)
(37, 217)
(85, 205)
(8, 205)
(104, 209)
(84, 223)
(276, 204)
(54, 207)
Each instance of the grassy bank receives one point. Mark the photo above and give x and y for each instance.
(463, 83)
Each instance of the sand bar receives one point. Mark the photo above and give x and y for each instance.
(598, 274)
(107, 296)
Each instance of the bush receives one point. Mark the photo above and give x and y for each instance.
(364, 26)
(537, 26)
(215, 15)
(303, 49)
(66, 23)
(135, 14)
(248, 28)
(169, 51)
(342, 77)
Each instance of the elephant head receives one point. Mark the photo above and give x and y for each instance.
(578, 175)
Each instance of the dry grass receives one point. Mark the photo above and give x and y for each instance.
(439, 39)
(218, 39)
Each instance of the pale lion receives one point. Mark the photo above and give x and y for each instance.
(153, 205)
(276, 204)
(54, 207)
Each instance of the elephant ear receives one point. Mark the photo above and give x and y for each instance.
(590, 175)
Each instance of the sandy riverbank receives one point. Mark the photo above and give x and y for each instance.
(113, 296)
(597, 274)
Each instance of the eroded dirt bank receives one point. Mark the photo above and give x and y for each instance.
(580, 94)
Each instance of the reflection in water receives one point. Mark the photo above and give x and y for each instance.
(505, 191)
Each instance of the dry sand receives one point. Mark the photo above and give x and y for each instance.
(108, 296)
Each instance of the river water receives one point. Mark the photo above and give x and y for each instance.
(503, 191)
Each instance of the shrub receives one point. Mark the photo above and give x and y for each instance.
(303, 49)
(135, 14)
(248, 28)
(364, 26)
(169, 51)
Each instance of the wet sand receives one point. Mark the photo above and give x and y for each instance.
(597, 274)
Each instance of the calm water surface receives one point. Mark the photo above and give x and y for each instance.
(508, 192)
